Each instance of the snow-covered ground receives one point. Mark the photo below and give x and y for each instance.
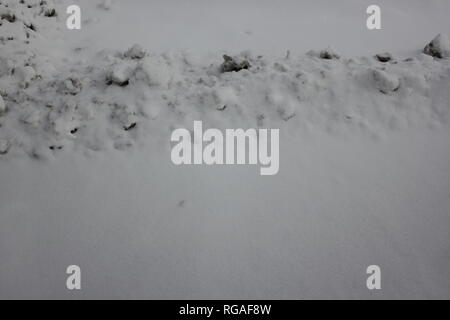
(86, 176)
(267, 26)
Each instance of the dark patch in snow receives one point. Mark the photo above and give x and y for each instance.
(383, 57)
(231, 65)
(130, 127)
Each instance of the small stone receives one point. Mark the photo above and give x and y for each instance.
(50, 12)
(328, 54)
(130, 126)
(439, 47)
(383, 57)
(8, 16)
(231, 65)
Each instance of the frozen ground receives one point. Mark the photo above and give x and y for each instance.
(86, 176)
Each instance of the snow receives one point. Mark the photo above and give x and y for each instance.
(106, 4)
(439, 47)
(86, 177)
(357, 95)
(385, 82)
(4, 146)
(135, 52)
(268, 27)
(2, 105)
(121, 73)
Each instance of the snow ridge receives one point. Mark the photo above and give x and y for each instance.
(117, 99)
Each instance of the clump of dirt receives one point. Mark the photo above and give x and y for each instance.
(383, 57)
(328, 54)
(230, 64)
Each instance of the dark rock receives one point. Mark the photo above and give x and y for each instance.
(439, 47)
(231, 65)
(328, 54)
(383, 57)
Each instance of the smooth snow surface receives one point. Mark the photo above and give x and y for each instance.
(86, 176)
(268, 27)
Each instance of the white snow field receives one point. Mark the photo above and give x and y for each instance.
(86, 177)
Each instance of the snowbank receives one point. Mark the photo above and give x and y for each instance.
(100, 100)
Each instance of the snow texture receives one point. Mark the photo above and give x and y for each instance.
(85, 171)
(118, 94)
